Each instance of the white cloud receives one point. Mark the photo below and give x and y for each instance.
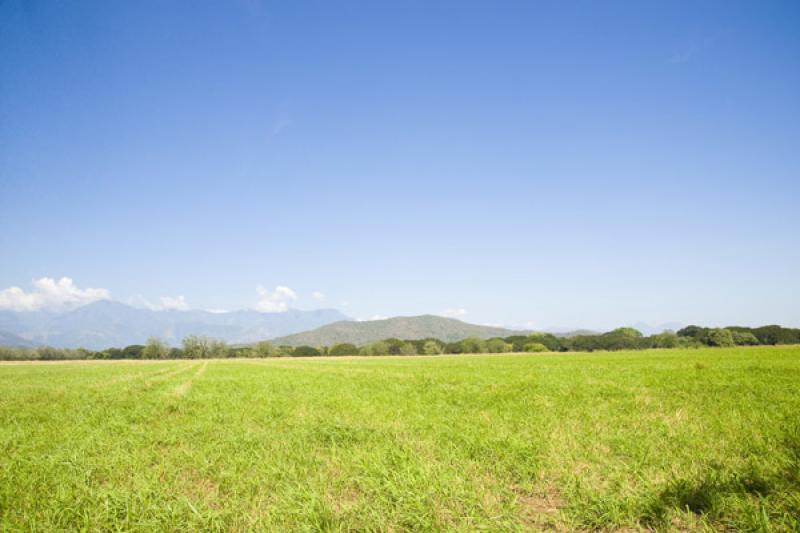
(50, 294)
(373, 317)
(217, 311)
(318, 296)
(453, 312)
(177, 303)
(275, 301)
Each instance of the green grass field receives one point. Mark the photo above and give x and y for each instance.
(655, 440)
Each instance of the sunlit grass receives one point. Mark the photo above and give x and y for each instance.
(663, 440)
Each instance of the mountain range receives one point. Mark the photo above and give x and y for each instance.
(402, 327)
(104, 324)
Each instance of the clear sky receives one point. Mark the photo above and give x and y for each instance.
(548, 164)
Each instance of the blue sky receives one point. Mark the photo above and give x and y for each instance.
(546, 164)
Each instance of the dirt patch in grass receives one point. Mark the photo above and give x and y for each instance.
(201, 491)
(540, 508)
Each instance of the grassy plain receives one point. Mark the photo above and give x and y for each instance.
(654, 440)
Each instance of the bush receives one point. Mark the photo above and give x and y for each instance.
(744, 338)
(306, 351)
(432, 348)
(343, 349)
(407, 349)
(535, 347)
(155, 349)
(498, 346)
(473, 345)
(720, 337)
(553, 343)
(133, 351)
(666, 339)
(453, 347)
(376, 348)
(777, 335)
(264, 349)
(201, 347)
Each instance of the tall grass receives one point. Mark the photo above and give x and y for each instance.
(655, 440)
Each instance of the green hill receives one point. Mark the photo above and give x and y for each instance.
(403, 327)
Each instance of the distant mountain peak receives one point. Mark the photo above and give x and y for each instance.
(109, 323)
(401, 327)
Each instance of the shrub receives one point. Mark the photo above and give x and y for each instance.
(432, 348)
(343, 349)
(264, 349)
(306, 351)
(155, 349)
(720, 337)
(535, 347)
(407, 349)
(666, 339)
(498, 346)
(473, 345)
(744, 338)
(376, 348)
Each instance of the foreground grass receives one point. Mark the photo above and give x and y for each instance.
(657, 440)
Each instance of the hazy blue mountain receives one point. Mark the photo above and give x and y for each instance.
(9, 339)
(402, 327)
(107, 323)
(567, 333)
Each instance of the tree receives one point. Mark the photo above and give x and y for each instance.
(200, 347)
(112, 353)
(667, 339)
(376, 348)
(155, 349)
(195, 347)
(535, 347)
(517, 342)
(720, 337)
(217, 348)
(432, 348)
(628, 332)
(407, 348)
(134, 351)
(453, 347)
(473, 345)
(692, 331)
(777, 335)
(305, 351)
(343, 349)
(264, 349)
(552, 342)
(497, 345)
(744, 338)
(176, 353)
(395, 345)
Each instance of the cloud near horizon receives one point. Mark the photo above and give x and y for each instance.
(165, 303)
(454, 312)
(275, 301)
(318, 296)
(50, 294)
(177, 303)
(373, 317)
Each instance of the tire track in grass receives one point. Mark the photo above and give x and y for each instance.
(330, 368)
(168, 375)
(184, 388)
(146, 376)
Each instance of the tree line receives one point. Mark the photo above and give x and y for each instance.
(200, 347)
